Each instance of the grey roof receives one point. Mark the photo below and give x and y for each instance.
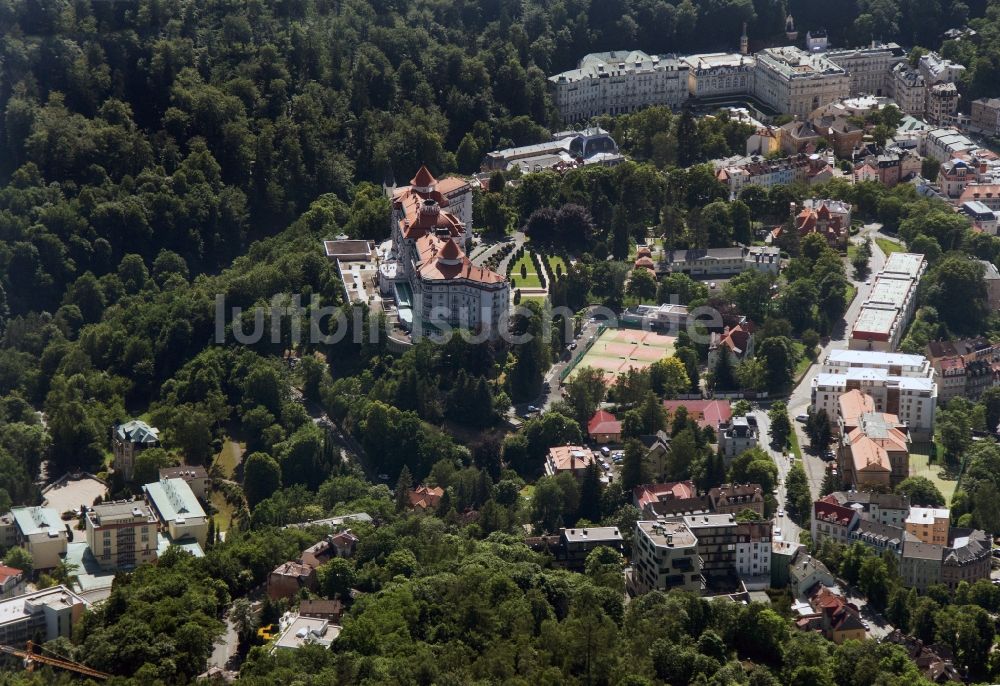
(138, 431)
(593, 533)
(174, 500)
(919, 550)
(967, 545)
(882, 534)
(37, 520)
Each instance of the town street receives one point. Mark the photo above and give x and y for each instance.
(800, 398)
(789, 529)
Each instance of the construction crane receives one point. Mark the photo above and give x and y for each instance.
(31, 658)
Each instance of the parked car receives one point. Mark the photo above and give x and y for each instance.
(532, 408)
(780, 513)
(572, 346)
(712, 285)
(617, 459)
(802, 418)
(777, 532)
(606, 450)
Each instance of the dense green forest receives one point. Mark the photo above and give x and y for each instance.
(155, 154)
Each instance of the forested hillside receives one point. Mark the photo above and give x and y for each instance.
(157, 154)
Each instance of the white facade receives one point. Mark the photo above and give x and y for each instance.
(619, 82)
(870, 68)
(908, 89)
(719, 73)
(792, 81)
(912, 400)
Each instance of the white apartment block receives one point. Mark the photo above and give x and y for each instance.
(122, 534)
(942, 103)
(792, 81)
(619, 82)
(50, 613)
(944, 144)
(753, 554)
(896, 364)
(715, 74)
(986, 115)
(870, 68)
(908, 89)
(40, 531)
(665, 556)
(912, 399)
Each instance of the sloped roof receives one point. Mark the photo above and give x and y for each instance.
(603, 422)
(423, 178)
(704, 412)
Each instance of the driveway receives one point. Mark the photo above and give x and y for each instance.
(801, 396)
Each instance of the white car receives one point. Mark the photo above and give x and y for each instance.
(780, 513)
(777, 532)
(802, 418)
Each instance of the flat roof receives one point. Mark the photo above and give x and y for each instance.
(861, 374)
(593, 533)
(875, 319)
(174, 500)
(114, 513)
(680, 535)
(710, 60)
(904, 263)
(305, 630)
(704, 520)
(20, 607)
(891, 290)
(37, 520)
(874, 358)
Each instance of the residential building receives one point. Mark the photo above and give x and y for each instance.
(672, 499)
(908, 89)
(936, 69)
(954, 176)
(966, 558)
(604, 427)
(793, 81)
(716, 543)
(720, 261)
(782, 554)
(577, 544)
(986, 115)
(764, 142)
(832, 521)
(735, 341)
(889, 308)
(843, 134)
(8, 532)
(817, 40)
(983, 218)
(317, 608)
(619, 82)
(738, 173)
(342, 544)
(573, 459)
(711, 75)
(753, 554)
(735, 498)
(870, 68)
(425, 497)
(935, 662)
(874, 450)
(888, 509)
(42, 533)
(129, 439)
(195, 476)
(929, 524)
(945, 143)
(913, 400)
(49, 613)
(433, 281)
(122, 534)
(831, 226)
(833, 616)
(665, 557)
(966, 367)
(567, 150)
(800, 136)
(657, 451)
(882, 538)
(805, 571)
(895, 364)
(920, 565)
(288, 578)
(737, 436)
(298, 631)
(986, 193)
(178, 510)
(707, 413)
(942, 103)
(12, 581)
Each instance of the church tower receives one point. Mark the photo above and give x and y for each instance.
(744, 41)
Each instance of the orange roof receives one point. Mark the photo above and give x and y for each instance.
(423, 178)
(7, 573)
(654, 493)
(570, 457)
(704, 412)
(603, 422)
(442, 260)
(644, 261)
(426, 496)
(853, 404)
(644, 252)
(867, 455)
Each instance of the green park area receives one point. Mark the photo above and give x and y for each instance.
(523, 273)
(888, 247)
(920, 465)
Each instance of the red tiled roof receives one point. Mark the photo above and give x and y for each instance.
(441, 259)
(423, 177)
(603, 422)
(426, 496)
(6, 573)
(644, 261)
(704, 412)
(829, 512)
(654, 493)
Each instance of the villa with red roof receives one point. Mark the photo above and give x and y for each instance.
(603, 427)
(705, 412)
(434, 282)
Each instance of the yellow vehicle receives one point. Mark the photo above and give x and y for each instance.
(265, 632)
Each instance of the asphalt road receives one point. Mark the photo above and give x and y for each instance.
(789, 529)
(800, 398)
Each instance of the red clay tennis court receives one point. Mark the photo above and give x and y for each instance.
(617, 350)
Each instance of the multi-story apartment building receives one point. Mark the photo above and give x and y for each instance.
(577, 543)
(179, 511)
(942, 103)
(870, 68)
(936, 69)
(194, 476)
(719, 74)
(945, 143)
(570, 459)
(737, 436)
(434, 281)
(122, 534)
(795, 82)
(908, 89)
(913, 401)
(753, 554)
(40, 531)
(619, 82)
(986, 193)
(889, 509)
(128, 440)
(886, 313)
(716, 543)
(739, 173)
(986, 115)
(49, 613)
(964, 367)
(873, 448)
(734, 498)
(929, 524)
(833, 521)
(968, 557)
(665, 556)
(920, 565)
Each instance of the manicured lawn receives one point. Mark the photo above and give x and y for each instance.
(888, 247)
(552, 261)
(229, 457)
(920, 466)
(524, 260)
(530, 281)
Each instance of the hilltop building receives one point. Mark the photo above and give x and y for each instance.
(128, 440)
